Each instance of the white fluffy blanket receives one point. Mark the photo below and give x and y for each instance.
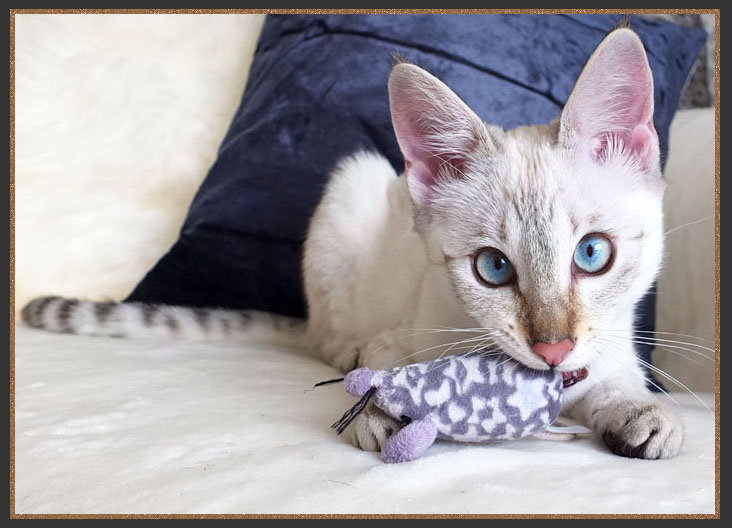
(114, 426)
(118, 119)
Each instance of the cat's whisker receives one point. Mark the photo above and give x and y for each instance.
(428, 331)
(442, 354)
(488, 340)
(678, 354)
(663, 340)
(480, 338)
(478, 347)
(625, 330)
(472, 348)
(370, 354)
(658, 347)
(615, 346)
(650, 380)
(509, 358)
(663, 373)
(462, 341)
(481, 346)
(380, 348)
(674, 380)
(490, 352)
(446, 351)
(689, 224)
(652, 340)
(446, 329)
(665, 346)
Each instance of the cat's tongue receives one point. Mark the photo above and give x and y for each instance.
(574, 376)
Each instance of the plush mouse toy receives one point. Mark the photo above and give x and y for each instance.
(467, 398)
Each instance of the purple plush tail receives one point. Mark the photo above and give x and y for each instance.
(358, 381)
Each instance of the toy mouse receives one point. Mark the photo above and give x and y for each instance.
(466, 398)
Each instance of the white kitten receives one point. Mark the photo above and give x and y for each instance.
(541, 240)
(538, 240)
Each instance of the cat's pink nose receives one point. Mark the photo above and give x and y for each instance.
(553, 353)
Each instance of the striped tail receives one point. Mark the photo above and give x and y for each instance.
(138, 320)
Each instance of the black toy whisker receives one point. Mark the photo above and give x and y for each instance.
(354, 411)
(328, 382)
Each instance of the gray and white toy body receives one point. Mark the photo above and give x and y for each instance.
(469, 398)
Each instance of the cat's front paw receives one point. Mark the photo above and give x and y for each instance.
(648, 431)
(370, 430)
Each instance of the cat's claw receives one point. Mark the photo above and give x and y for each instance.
(650, 431)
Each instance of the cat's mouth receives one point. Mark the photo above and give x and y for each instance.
(574, 376)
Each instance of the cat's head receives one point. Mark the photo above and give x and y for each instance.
(550, 234)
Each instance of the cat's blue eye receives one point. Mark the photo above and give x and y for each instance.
(593, 254)
(493, 268)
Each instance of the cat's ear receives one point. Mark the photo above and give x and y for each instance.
(437, 132)
(610, 109)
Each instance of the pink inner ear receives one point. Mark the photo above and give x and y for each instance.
(639, 144)
(420, 179)
(427, 149)
(436, 131)
(642, 142)
(612, 103)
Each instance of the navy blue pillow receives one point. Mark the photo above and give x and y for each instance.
(317, 91)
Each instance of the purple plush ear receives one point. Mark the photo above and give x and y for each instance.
(358, 381)
(610, 110)
(437, 132)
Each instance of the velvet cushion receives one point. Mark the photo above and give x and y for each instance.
(317, 91)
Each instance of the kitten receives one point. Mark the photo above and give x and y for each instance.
(538, 240)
